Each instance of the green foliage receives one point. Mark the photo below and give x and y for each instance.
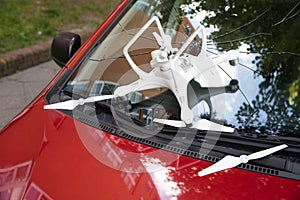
(27, 22)
(271, 28)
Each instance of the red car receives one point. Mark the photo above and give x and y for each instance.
(166, 100)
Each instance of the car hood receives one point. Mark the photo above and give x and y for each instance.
(71, 160)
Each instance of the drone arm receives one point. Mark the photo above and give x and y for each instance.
(195, 94)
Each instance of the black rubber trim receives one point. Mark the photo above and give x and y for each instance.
(159, 143)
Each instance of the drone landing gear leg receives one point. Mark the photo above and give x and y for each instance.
(186, 115)
(180, 92)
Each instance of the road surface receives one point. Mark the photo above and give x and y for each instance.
(19, 89)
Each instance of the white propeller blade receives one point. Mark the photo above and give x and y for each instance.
(266, 152)
(174, 123)
(205, 124)
(202, 124)
(71, 104)
(158, 39)
(226, 163)
(233, 161)
(164, 41)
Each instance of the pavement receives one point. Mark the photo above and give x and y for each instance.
(21, 59)
(24, 73)
(19, 89)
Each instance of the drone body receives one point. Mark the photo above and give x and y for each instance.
(172, 68)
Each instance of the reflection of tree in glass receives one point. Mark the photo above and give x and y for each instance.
(272, 30)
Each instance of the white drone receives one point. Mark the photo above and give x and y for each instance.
(173, 69)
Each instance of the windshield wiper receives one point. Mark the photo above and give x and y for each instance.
(232, 161)
(202, 124)
(272, 138)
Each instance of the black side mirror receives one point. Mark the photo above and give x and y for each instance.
(64, 46)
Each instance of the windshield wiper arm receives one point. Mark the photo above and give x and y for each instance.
(273, 138)
(232, 161)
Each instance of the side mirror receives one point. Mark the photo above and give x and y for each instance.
(64, 46)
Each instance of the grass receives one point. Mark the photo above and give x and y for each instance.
(28, 22)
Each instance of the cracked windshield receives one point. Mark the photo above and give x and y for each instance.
(222, 64)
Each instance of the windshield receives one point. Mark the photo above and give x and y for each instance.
(256, 90)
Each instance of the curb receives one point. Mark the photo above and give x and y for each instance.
(27, 57)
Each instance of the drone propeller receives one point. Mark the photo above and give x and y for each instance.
(233, 161)
(71, 104)
(202, 124)
(164, 42)
(158, 39)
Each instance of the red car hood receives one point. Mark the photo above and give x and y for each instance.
(71, 160)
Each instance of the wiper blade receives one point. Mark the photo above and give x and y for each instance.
(202, 124)
(273, 138)
(232, 161)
